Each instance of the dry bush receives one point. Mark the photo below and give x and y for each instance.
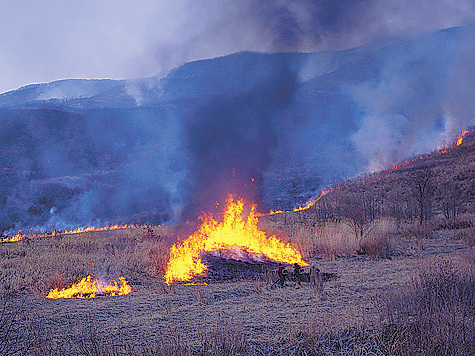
(434, 315)
(466, 235)
(379, 243)
(418, 231)
(453, 223)
(303, 238)
(376, 246)
(338, 239)
(331, 240)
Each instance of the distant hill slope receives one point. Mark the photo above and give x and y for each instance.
(447, 177)
(274, 128)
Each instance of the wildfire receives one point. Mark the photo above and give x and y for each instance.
(90, 287)
(311, 203)
(300, 208)
(232, 230)
(460, 137)
(20, 236)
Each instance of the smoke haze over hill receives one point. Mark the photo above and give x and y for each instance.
(121, 39)
(274, 128)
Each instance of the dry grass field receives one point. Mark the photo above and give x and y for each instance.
(347, 315)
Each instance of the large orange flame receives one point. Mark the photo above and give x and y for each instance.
(90, 287)
(20, 236)
(232, 230)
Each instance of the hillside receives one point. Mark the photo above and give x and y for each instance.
(447, 175)
(273, 128)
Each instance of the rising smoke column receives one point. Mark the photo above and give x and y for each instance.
(419, 102)
(230, 140)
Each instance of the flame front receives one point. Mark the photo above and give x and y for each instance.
(460, 137)
(20, 236)
(233, 230)
(301, 208)
(90, 287)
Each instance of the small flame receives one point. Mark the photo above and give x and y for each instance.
(212, 235)
(20, 236)
(460, 137)
(300, 208)
(88, 288)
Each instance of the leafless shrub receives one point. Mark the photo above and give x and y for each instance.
(453, 223)
(434, 315)
(376, 246)
(418, 231)
(466, 235)
(359, 212)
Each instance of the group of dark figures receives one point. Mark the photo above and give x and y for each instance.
(298, 275)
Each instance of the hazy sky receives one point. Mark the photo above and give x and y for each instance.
(55, 39)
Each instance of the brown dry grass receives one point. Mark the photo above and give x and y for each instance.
(334, 239)
(233, 318)
(35, 266)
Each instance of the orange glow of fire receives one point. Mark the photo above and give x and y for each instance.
(460, 137)
(20, 236)
(300, 208)
(90, 287)
(231, 230)
(443, 150)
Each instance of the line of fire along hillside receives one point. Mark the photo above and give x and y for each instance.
(21, 236)
(458, 142)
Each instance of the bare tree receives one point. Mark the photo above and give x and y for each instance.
(360, 211)
(422, 189)
(450, 199)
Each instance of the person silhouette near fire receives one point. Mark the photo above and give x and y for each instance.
(298, 271)
(282, 273)
(314, 276)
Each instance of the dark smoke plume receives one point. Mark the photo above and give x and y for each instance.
(231, 139)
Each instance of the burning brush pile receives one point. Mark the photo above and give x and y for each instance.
(228, 247)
